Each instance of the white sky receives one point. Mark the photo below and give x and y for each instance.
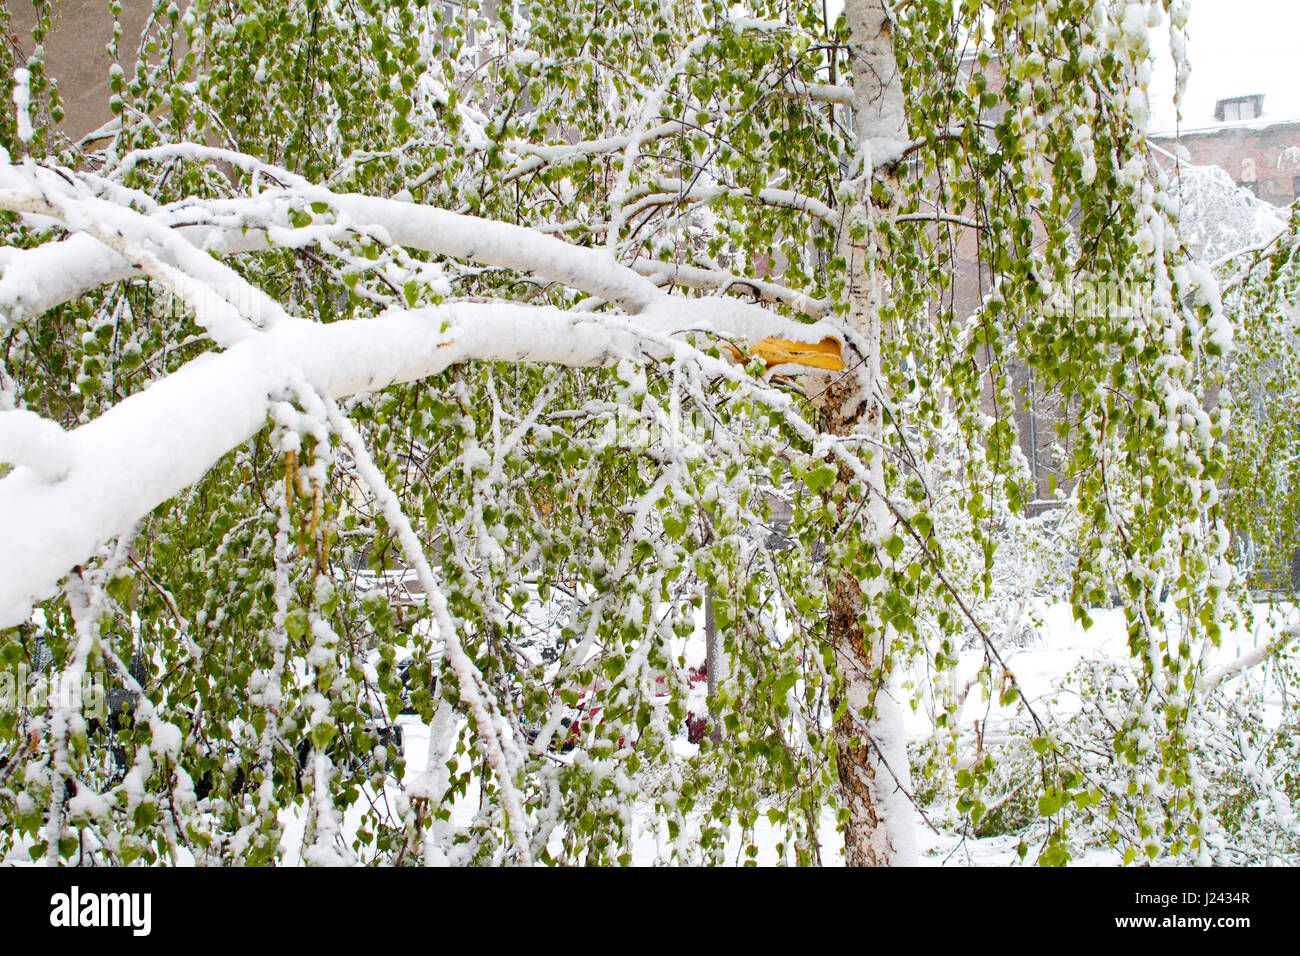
(1236, 47)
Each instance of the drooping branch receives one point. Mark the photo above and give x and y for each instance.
(36, 280)
(156, 443)
(192, 276)
(538, 157)
(1214, 677)
(670, 191)
(499, 745)
(405, 224)
(821, 92)
(719, 280)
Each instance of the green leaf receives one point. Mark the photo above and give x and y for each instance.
(296, 623)
(820, 478)
(322, 734)
(1051, 802)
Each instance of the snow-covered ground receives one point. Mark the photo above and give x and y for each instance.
(1061, 645)
(1040, 666)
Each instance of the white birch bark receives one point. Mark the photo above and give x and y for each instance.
(872, 750)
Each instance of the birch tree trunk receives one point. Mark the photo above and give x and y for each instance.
(712, 665)
(872, 753)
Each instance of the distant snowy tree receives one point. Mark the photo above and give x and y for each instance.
(1263, 483)
(1219, 218)
(1251, 245)
(447, 356)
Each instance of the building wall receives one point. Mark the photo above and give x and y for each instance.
(1255, 156)
(76, 56)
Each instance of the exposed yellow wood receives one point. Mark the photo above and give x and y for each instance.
(824, 354)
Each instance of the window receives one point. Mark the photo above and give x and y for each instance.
(1237, 108)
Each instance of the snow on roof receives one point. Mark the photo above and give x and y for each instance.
(1263, 121)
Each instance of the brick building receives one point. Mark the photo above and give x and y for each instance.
(1260, 153)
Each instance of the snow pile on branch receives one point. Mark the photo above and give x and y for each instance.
(80, 489)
